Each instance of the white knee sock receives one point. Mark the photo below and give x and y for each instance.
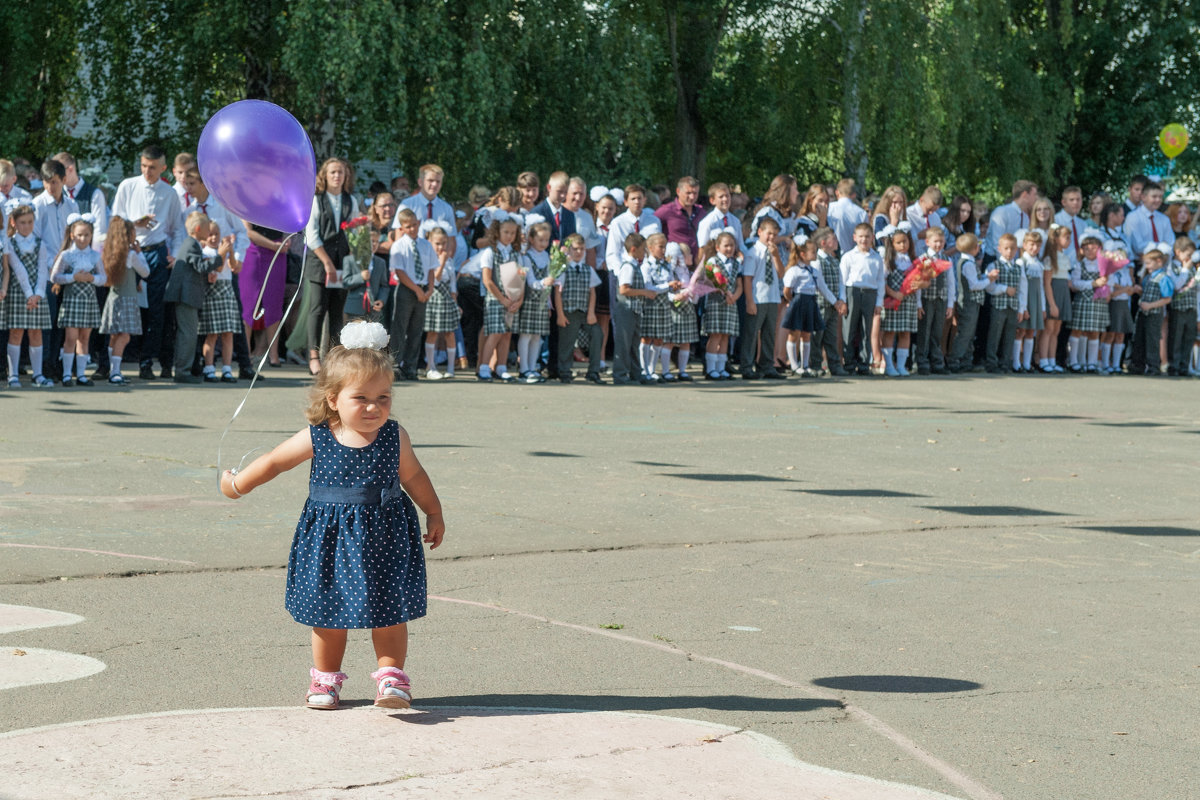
(681, 360)
(1195, 362)
(1073, 350)
(806, 354)
(1118, 350)
(1106, 355)
(901, 361)
(791, 354)
(68, 362)
(35, 360)
(114, 365)
(647, 357)
(430, 357)
(1016, 358)
(1027, 353)
(887, 358)
(1093, 352)
(535, 350)
(710, 363)
(664, 359)
(14, 360)
(81, 362)
(722, 360)
(524, 354)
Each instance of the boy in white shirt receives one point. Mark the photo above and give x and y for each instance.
(720, 218)
(863, 279)
(762, 290)
(636, 219)
(412, 262)
(426, 204)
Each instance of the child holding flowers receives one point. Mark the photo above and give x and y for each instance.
(720, 309)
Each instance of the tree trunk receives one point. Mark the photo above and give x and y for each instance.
(691, 66)
(855, 155)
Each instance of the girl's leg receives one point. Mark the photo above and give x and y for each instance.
(711, 355)
(806, 352)
(500, 358)
(603, 321)
(391, 645)
(723, 354)
(903, 343)
(329, 646)
(1093, 348)
(1118, 350)
(118, 341)
(487, 353)
(876, 341)
(793, 351)
(1073, 342)
(70, 336)
(209, 350)
(14, 354)
(431, 353)
(451, 340)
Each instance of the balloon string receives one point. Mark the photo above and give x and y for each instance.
(258, 370)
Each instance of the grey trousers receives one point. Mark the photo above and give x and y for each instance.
(962, 352)
(566, 343)
(322, 301)
(627, 325)
(1181, 332)
(753, 326)
(858, 323)
(827, 339)
(407, 330)
(187, 328)
(1002, 329)
(929, 334)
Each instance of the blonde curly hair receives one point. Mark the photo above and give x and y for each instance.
(343, 366)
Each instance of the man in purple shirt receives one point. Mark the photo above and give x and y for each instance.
(681, 217)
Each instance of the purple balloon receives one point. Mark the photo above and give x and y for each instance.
(257, 160)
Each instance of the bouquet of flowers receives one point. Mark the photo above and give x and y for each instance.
(358, 234)
(923, 271)
(1109, 262)
(705, 280)
(512, 282)
(558, 258)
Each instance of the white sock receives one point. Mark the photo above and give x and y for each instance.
(901, 358)
(1017, 353)
(664, 359)
(14, 360)
(81, 363)
(791, 355)
(68, 362)
(1043, 363)
(535, 351)
(710, 362)
(1106, 355)
(209, 369)
(449, 366)
(502, 369)
(1093, 351)
(485, 371)
(644, 357)
(806, 354)
(1195, 356)
(35, 360)
(226, 369)
(1027, 353)
(114, 364)
(1073, 350)
(722, 360)
(887, 358)
(1118, 351)
(681, 360)
(523, 352)
(431, 358)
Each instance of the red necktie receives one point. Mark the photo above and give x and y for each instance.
(724, 220)
(558, 220)
(204, 208)
(187, 199)
(637, 226)
(72, 191)
(1075, 233)
(1153, 229)
(429, 213)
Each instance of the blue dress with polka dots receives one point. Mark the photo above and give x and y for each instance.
(357, 559)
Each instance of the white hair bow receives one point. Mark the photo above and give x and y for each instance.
(887, 231)
(597, 193)
(904, 226)
(88, 218)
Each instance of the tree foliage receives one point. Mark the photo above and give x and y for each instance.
(966, 93)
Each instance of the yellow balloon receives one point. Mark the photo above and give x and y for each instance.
(1173, 140)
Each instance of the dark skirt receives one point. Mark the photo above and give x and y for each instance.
(803, 314)
(1120, 318)
(1061, 289)
(603, 300)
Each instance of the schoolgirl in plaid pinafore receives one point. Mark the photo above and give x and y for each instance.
(719, 316)
(1087, 313)
(685, 327)
(78, 307)
(16, 316)
(534, 316)
(220, 312)
(494, 315)
(121, 313)
(441, 312)
(1035, 303)
(656, 313)
(903, 319)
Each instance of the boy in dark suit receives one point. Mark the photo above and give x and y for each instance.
(186, 287)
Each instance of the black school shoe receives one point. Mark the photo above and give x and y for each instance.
(146, 373)
(594, 377)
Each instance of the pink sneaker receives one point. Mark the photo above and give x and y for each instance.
(325, 688)
(394, 688)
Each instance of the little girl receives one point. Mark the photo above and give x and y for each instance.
(356, 559)
(77, 269)
(533, 321)
(1089, 314)
(685, 329)
(900, 323)
(802, 319)
(25, 308)
(499, 312)
(1057, 288)
(123, 264)
(441, 314)
(659, 276)
(1120, 316)
(720, 307)
(220, 315)
(1033, 321)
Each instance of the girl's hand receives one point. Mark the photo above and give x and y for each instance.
(227, 485)
(377, 305)
(591, 319)
(562, 321)
(547, 281)
(32, 303)
(729, 301)
(435, 529)
(840, 307)
(1053, 310)
(135, 247)
(920, 312)
(1101, 281)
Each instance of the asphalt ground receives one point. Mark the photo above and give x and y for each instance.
(984, 587)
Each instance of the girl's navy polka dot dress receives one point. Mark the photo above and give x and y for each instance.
(357, 559)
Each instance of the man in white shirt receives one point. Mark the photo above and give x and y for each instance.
(636, 219)
(1009, 218)
(923, 215)
(426, 204)
(1068, 217)
(845, 213)
(1147, 225)
(153, 208)
(90, 199)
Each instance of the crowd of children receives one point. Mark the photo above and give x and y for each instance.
(526, 282)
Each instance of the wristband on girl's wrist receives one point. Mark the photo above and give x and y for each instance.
(233, 482)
